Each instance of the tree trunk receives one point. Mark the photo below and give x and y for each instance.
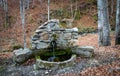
(1, 2)
(48, 10)
(71, 6)
(112, 6)
(103, 23)
(106, 25)
(32, 3)
(6, 12)
(100, 24)
(22, 13)
(27, 4)
(117, 39)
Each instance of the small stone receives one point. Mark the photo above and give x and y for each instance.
(75, 34)
(94, 62)
(75, 37)
(57, 29)
(35, 42)
(38, 31)
(33, 46)
(75, 29)
(72, 30)
(36, 36)
(34, 39)
(46, 72)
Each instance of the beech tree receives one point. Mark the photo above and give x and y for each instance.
(103, 23)
(22, 14)
(117, 39)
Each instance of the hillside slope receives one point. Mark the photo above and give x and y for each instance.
(36, 15)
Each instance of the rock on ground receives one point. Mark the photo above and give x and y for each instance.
(21, 55)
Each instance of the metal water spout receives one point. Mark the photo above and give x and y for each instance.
(53, 45)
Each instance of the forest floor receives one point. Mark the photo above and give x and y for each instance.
(105, 63)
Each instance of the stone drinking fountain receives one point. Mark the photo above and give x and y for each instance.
(54, 47)
(54, 44)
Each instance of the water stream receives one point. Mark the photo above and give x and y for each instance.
(53, 46)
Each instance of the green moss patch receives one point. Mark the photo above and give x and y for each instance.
(2, 68)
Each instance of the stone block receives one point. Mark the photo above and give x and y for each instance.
(21, 55)
(84, 51)
(42, 45)
(44, 36)
(73, 42)
(67, 36)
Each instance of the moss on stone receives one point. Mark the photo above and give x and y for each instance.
(16, 46)
(2, 68)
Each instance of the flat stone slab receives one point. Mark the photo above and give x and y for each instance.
(84, 51)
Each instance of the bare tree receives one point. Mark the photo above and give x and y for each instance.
(117, 39)
(6, 12)
(73, 15)
(22, 13)
(1, 2)
(48, 10)
(27, 4)
(103, 23)
(112, 6)
(71, 5)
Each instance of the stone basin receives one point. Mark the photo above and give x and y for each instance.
(62, 64)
